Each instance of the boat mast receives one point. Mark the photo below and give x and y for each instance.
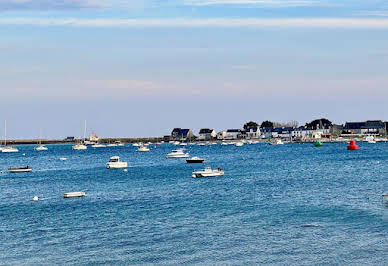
(5, 132)
(84, 131)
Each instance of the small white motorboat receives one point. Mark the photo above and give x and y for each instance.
(119, 143)
(179, 153)
(41, 147)
(208, 172)
(74, 194)
(114, 162)
(195, 160)
(112, 145)
(143, 148)
(8, 149)
(20, 169)
(137, 144)
(62, 158)
(98, 145)
(79, 146)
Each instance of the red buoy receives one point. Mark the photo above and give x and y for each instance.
(352, 145)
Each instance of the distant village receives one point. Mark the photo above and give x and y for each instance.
(317, 129)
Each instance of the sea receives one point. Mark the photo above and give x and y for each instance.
(291, 204)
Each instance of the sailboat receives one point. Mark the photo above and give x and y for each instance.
(41, 147)
(7, 148)
(81, 146)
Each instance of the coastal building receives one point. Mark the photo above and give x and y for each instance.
(221, 135)
(292, 133)
(266, 132)
(369, 127)
(252, 132)
(182, 134)
(207, 134)
(233, 134)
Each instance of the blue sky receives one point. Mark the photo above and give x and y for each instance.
(140, 68)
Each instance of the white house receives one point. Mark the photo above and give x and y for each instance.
(233, 134)
(252, 133)
(207, 134)
(221, 135)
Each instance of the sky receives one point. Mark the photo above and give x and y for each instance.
(140, 68)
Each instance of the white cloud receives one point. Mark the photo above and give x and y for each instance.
(348, 23)
(270, 3)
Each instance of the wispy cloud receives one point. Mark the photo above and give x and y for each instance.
(347, 23)
(50, 4)
(269, 3)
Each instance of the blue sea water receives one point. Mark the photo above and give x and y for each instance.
(291, 204)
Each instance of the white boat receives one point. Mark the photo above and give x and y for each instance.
(143, 148)
(119, 143)
(98, 145)
(41, 147)
(111, 145)
(81, 146)
(183, 144)
(20, 169)
(208, 172)
(62, 158)
(74, 194)
(370, 139)
(114, 162)
(176, 143)
(179, 153)
(276, 142)
(137, 144)
(239, 144)
(7, 149)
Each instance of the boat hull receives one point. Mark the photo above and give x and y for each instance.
(195, 161)
(19, 170)
(178, 156)
(74, 194)
(116, 165)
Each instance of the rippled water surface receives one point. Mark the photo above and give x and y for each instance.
(286, 204)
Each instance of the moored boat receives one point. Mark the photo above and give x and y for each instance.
(20, 169)
(143, 148)
(208, 172)
(74, 194)
(114, 162)
(98, 145)
(179, 153)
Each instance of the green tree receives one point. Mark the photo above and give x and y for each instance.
(250, 124)
(267, 123)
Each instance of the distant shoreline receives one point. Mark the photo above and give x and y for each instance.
(59, 141)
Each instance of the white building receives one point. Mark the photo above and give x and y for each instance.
(207, 134)
(233, 134)
(252, 133)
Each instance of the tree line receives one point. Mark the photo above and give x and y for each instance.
(315, 124)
